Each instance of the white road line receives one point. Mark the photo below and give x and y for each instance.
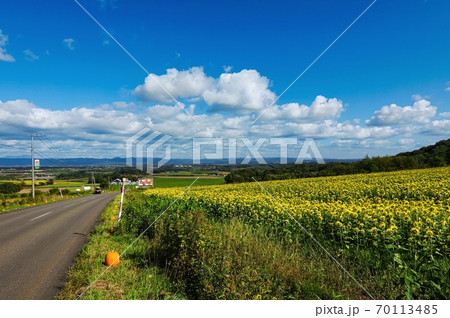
(41, 216)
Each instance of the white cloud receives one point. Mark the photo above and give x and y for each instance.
(123, 105)
(242, 92)
(447, 89)
(105, 129)
(373, 142)
(69, 43)
(30, 56)
(161, 113)
(227, 68)
(320, 109)
(75, 122)
(5, 57)
(321, 130)
(184, 84)
(439, 127)
(236, 122)
(421, 112)
(241, 96)
(405, 141)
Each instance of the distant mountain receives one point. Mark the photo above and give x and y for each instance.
(14, 162)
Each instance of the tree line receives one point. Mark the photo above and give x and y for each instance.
(437, 155)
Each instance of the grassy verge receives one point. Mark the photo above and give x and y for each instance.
(41, 198)
(129, 280)
(22, 200)
(231, 260)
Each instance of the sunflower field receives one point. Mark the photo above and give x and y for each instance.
(395, 220)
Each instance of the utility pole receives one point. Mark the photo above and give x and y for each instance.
(32, 161)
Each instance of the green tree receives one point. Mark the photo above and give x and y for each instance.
(10, 187)
(104, 184)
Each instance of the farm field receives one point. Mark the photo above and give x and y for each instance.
(45, 193)
(390, 230)
(70, 183)
(169, 182)
(56, 184)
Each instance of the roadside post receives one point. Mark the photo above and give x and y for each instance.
(121, 199)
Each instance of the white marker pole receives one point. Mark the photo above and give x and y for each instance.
(121, 201)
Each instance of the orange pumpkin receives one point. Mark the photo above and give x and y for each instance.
(113, 218)
(112, 259)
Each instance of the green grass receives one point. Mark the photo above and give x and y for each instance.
(69, 184)
(184, 182)
(57, 183)
(185, 173)
(195, 172)
(22, 200)
(231, 260)
(131, 279)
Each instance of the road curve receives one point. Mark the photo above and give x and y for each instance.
(38, 244)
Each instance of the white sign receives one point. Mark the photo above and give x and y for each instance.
(146, 182)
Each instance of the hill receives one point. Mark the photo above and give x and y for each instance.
(436, 155)
(432, 156)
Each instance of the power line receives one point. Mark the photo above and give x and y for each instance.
(25, 129)
(45, 140)
(11, 146)
(55, 161)
(52, 147)
(38, 153)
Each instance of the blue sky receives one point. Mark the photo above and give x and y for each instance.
(382, 88)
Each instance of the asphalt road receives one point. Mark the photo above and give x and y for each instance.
(39, 244)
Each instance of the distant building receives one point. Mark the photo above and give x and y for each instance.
(116, 182)
(145, 182)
